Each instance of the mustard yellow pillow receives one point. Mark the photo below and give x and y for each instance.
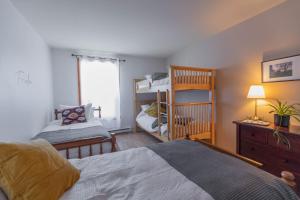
(34, 171)
(152, 110)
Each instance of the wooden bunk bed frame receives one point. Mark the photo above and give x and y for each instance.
(195, 120)
(198, 118)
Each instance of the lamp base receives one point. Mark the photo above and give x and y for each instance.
(255, 118)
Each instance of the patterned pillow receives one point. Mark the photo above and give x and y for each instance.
(153, 109)
(73, 115)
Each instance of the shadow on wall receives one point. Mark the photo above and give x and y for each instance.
(232, 87)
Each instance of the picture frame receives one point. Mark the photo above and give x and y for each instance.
(281, 69)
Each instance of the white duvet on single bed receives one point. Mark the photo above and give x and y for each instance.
(135, 174)
(145, 122)
(56, 125)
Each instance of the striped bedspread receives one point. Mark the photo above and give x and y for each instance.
(220, 175)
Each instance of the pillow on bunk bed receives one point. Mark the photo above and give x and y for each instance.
(89, 112)
(164, 120)
(145, 107)
(158, 76)
(152, 110)
(73, 115)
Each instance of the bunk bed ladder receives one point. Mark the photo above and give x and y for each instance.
(161, 114)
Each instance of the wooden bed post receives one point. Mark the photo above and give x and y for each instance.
(289, 179)
(173, 131)
(158, 101)
(135, 105)
(168, 114)
(213, 131)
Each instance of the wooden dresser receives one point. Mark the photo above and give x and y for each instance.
(258, 143)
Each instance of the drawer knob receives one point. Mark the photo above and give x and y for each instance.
(252, 134)
(252, 148)
(286, 160)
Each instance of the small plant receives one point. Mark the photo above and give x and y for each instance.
(282, 113)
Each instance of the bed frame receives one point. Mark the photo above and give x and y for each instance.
(193, 119)
(89, 142)
(78, 144)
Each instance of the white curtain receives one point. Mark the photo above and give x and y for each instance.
(100, 86)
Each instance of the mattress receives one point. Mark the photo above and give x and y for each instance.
(147, 86)
(55, 125)
(164, 81)
(133, 174)
(145, 122)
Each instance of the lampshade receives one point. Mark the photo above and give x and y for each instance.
(256, 92)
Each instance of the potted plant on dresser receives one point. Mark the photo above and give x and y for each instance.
(282, 114)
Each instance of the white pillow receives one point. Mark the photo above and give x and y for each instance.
(148, 77)
(145, 107)
(87, 110)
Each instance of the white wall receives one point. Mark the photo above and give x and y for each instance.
(237, 54)
(65, 79)
(24, 108)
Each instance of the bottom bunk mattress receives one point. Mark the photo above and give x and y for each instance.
(173, 171)
(150, 124)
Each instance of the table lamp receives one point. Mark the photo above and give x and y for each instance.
(256, 92)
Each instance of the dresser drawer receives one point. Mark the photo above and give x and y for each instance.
(294, 141)
(253, 134)
(288, 161)
(253, 151)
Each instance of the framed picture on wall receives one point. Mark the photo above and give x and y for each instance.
(282, 69)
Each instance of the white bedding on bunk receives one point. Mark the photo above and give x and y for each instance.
(145, 122)
(148, 84)
(133, 174)
(164, 81)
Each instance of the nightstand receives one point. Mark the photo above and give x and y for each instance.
(257, 143)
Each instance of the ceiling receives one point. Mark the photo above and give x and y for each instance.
(155, 28)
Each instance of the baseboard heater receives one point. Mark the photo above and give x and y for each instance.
(122, 130)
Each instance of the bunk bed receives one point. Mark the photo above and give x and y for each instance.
(194, 120)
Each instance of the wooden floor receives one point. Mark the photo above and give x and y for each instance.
(134, 140)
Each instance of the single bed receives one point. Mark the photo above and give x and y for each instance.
(174, 171)
(80, 139)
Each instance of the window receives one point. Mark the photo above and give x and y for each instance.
(99, 85)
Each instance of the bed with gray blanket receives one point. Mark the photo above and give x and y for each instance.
(179, 170)
(68, 135)
(79, 140)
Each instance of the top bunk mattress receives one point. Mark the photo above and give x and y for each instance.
(148, 86)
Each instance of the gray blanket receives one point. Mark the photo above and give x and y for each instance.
(73, 134)
(220, 175)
